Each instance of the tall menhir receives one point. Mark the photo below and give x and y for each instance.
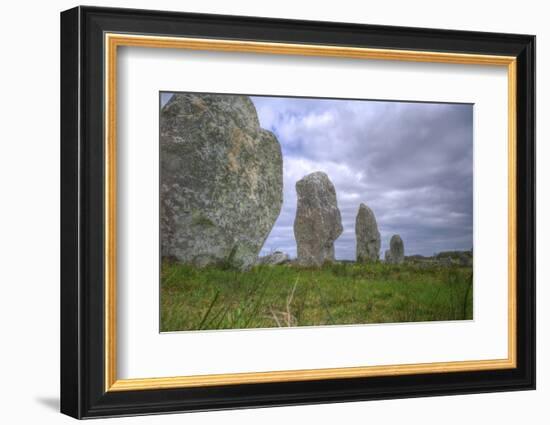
(221, 183)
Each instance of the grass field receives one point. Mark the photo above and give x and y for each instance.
(336, 294)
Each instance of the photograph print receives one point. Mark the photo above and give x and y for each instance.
(290, 211)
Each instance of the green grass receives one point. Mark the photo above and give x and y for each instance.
(336, 294)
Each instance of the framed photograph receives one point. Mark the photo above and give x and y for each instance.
(261, 212)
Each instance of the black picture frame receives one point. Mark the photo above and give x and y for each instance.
(83, 392)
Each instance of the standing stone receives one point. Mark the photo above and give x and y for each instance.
(221, 183)
(318, 222)
(367, 236)
(396, 253)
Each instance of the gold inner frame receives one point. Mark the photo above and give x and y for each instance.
(113, 41)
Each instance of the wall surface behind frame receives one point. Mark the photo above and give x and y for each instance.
(29, 224)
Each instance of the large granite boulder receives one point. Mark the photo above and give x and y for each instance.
(367, 236)
(221, 185)
(318, 222)
(396, 253)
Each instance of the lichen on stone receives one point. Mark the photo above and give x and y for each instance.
(221, 180)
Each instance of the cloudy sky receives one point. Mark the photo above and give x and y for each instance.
(411, 163)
